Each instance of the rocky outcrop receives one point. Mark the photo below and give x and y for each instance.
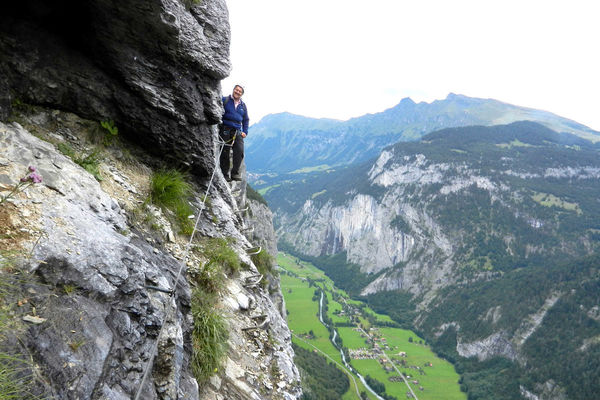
(101, 321)
(99, 284)
(548, 390)
(260, 222)
(502, 343)
(154, 67)
(103, 296)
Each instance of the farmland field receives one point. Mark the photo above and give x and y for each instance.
(301, 285)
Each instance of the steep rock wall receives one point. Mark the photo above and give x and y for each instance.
(154, 67)
(93, 278)
(364, 228)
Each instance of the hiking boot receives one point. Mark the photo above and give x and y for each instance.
(227, 178)
(236, 177)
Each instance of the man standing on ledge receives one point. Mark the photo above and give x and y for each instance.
(233, 131)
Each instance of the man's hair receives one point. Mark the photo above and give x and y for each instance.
(240, 86)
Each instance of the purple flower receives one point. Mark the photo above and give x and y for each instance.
(32, 177)
(35, 177)
(24, 182)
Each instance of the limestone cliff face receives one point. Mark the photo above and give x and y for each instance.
(365, 227)
(99, 282)
(418, 217)
(260, 219)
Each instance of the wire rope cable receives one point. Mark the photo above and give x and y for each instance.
(182, 263)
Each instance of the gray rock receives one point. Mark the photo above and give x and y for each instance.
(101, 322)
(153, 67)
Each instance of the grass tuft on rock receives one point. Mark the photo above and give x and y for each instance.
(170, 190)
(217, 251)
(16, 378)
(209, 337)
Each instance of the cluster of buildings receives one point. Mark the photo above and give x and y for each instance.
(365, 354)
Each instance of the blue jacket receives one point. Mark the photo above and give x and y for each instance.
(235, 117)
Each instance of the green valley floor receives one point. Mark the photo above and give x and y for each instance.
(375, 347)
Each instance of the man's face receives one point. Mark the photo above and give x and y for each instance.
(237, 93)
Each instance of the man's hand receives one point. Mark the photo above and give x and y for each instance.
(243, 134)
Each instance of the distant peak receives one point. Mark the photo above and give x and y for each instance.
(452, 96)
(407, 100)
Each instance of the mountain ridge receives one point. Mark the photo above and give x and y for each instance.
(300, 142)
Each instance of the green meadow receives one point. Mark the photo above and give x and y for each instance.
(303, 318)
(351, 338)
(437, 379)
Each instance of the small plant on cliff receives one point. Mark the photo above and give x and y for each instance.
(66, 149)
(209, 337)
(190, 3)
(31, 177)
(221, 259)
(210, 278)
(15, 378)
(169, 189)
(218, 252)
(19, 106)
(111, 132)
(91, 163)
(76, 344)
(15, 372)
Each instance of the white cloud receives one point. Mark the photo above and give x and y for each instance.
(341, 59)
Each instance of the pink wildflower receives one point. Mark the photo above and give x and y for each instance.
(24, 182)
(35, 177)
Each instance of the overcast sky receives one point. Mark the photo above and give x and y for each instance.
(346, 58)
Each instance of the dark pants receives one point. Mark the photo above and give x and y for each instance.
(227, 134)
